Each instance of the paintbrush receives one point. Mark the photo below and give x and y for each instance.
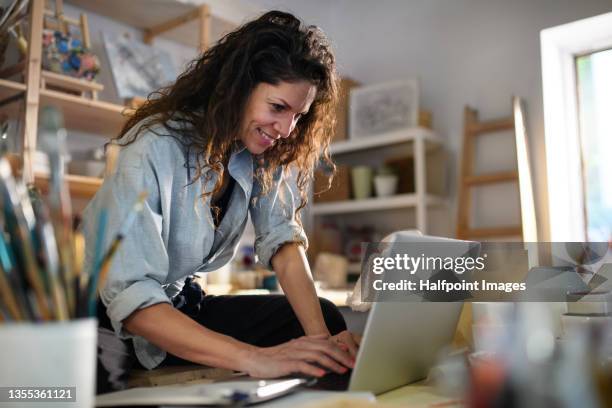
(53, 141)
(9, 302)
(4, 138)
(16, 290)
(20, 222)
(79, 260)
(49, 258)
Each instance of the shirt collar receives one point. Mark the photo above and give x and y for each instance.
(240, 167)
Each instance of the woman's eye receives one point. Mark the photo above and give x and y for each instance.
(277, 107)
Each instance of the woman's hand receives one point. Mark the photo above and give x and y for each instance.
(348, 341)
(310, 355)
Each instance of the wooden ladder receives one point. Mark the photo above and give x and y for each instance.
(472, 128)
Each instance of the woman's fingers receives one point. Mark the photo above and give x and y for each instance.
(327, 347)
(321, 359)
(298, 366)
(350, 343)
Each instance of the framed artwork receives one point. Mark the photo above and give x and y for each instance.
(384, 108)
(138, 69)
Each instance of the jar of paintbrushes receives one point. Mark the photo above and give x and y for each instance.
(48, 329)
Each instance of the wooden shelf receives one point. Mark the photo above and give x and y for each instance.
(80, 113)
(80, 186)
(373, 204)
(353, 145)
(67, 82)
(86, 115)
(9, 89)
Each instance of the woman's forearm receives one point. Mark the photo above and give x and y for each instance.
(176, 333)
(293, 272)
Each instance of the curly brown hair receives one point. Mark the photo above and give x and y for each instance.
(211, 96)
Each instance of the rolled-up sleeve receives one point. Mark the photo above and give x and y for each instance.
(273, 217)
(140, 266)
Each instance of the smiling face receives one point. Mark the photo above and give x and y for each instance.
(272, 111)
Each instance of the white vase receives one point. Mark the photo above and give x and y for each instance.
(385, 185)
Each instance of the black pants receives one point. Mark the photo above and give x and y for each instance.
(260, 320)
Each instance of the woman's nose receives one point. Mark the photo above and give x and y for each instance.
(284, 126)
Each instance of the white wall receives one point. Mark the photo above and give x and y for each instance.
(476, 52)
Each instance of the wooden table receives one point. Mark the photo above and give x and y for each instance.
(418, 395)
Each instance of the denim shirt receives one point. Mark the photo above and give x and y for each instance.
(174, 235)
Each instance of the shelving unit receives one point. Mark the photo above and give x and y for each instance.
(80, 113)
(431, 140)
(420, 141)
(86, 115)
(175, 19)
(80, 186)
(374, 204)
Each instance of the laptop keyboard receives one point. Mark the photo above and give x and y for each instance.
(332, 382)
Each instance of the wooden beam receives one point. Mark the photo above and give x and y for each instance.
(32, 81)
(67, 20)
(492, 178)
(507, 231)
(153, 32)
(85, 30)
(492, 126)
(204, 15)
(470, 116)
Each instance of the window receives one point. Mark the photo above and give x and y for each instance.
(594, 87)
(577, 90)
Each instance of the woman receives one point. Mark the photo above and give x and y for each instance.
(239, 132)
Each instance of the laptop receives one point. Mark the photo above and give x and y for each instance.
(402, 339)
(400, 344)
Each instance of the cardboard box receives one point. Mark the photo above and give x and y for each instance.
(340, 189)
(435, 168)
(425, 119)
(342, 109)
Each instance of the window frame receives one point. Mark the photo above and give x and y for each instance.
(560, 46)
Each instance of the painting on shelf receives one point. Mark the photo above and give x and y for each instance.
(383, 108)
(138, 69)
